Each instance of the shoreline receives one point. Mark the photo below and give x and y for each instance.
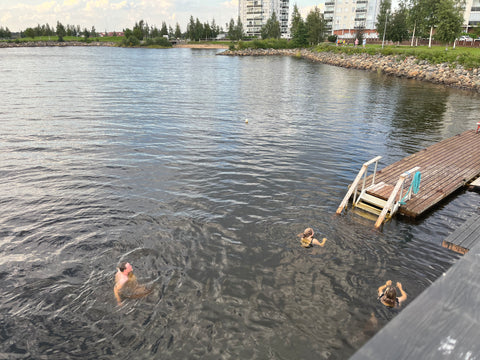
(53, 43)
(394, 65)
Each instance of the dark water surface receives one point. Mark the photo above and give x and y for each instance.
(139, 155)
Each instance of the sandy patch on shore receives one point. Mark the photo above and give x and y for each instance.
(201, 46)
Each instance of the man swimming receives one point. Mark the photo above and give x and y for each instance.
(126, 285)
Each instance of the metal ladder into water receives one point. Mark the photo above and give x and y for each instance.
(384, 209)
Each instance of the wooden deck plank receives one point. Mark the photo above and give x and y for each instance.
(462, 239)
(443, 322)
(445, 167)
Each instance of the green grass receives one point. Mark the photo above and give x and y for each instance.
(465, 56)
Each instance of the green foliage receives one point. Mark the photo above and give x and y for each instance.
(382, 18)
(61, 32)
(315, 25)
(265, 44)
(132, 40)
(271, 30)
(5, 33)
(398, 27)
(332, 38)
(162, 41)
(450, 20)
(235, 32)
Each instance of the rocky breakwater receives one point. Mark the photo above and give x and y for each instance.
(9, 44)
(396, 65)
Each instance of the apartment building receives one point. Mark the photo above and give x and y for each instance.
(345, 17)
(471, 15)
(255, 13)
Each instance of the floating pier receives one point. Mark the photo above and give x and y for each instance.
(443, 322)
(465, 237)
(445, 167)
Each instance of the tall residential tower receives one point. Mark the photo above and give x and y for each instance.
(345, 17)
(471, 14)
(255, 13)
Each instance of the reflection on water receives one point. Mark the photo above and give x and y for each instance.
(144, 156)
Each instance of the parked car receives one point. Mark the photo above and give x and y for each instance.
(465, 38)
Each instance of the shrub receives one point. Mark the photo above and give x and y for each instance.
(162, 41)
(332, 38)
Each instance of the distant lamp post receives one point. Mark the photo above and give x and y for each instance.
(385, 28)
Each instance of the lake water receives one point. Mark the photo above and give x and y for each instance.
(141, 155)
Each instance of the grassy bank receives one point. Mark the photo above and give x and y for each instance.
(465, 56)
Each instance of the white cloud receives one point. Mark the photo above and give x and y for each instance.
(118, 6)
(71, 2)
(46, 6)
(232, 4)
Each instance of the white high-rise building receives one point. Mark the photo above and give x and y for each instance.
(345, 17)
(255, 13)
(471, 14)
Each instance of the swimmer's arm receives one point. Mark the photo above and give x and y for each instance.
(403, 296)
(321, 243)
(381, 288)
(117, 295)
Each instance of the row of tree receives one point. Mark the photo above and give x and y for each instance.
(60, 30)
(5, 33)
(421, 18)
(303, 32)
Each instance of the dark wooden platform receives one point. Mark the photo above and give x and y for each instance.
(443, 322)
(445, 167)
(462, 239)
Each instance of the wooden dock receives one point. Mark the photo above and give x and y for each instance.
(443, 322)
(465, 237)
(445, 168)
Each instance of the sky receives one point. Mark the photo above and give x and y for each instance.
(116, 15)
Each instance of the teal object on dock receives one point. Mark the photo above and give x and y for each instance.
(414, 186)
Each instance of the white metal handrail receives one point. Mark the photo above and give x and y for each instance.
(391, 204)
(353, 188)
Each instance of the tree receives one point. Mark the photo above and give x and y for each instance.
(5, 33)
(231, 29)
(360, 34)
(86, 33)
(382, 18)
(93, 32)
(298, 30)
(450, 21)
(239, 33)
(60, 31)
(235, 31)
(138, 30)
(316, 26)
(429, 11)
(163, 30)
(29, 32)
(178, 31)
(271, 30)
(397, 27)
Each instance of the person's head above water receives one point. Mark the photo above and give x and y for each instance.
(308, 232)
(390, 295)
(125, 267)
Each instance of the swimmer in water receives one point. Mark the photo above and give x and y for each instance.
(126, 285)
(308, 240)
(387, 294)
